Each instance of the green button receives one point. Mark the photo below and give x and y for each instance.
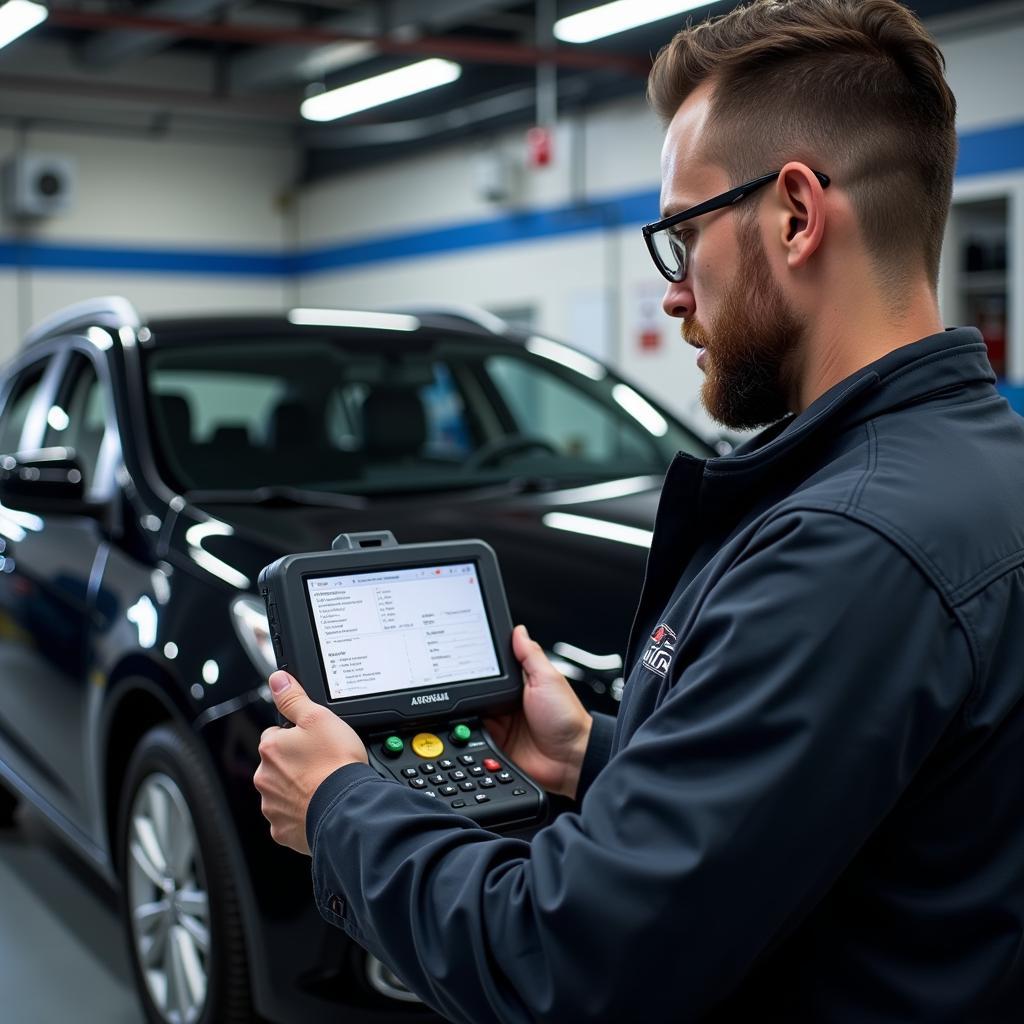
(461, 733)
(394, 745)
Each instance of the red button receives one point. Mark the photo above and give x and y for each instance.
(491, 765)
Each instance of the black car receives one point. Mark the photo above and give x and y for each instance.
(148, 472)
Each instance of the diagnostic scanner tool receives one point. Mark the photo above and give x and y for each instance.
(412, 645)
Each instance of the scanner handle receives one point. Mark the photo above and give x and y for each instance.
(360, 541)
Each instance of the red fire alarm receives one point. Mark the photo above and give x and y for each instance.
(650, 337)
(538, 146)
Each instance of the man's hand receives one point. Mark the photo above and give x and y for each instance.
(293, 762)
(548, 736)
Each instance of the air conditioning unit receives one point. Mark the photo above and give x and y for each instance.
(38, 185)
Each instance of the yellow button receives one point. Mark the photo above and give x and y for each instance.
(427, 745)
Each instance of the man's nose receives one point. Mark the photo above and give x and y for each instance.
(678, 300)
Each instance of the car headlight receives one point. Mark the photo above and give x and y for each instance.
(249, 617)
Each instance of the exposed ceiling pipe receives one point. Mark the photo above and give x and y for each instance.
(547, 73)
(471, 50)
(153, 128)
(269, 66)
(174, 99)
(114, 47)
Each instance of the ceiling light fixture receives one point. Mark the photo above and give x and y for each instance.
(18, 17)
(620, 16)
(372, 92)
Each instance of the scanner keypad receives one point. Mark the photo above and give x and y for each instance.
(467, 781)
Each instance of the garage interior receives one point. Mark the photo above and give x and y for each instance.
(159, 151)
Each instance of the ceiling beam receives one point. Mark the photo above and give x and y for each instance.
(118, 45)
(272, 66)
(160, 99)
(457, 48)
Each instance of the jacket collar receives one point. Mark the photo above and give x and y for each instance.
(702, 501)
(905, 376)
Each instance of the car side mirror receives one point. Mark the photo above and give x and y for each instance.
(46, 480)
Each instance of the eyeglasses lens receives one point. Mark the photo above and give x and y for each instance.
(671, 252)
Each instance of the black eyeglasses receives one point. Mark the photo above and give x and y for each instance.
(668, 248)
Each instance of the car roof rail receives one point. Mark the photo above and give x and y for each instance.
(109, 311)
(471, 314)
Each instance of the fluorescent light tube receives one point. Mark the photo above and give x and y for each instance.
(18, 17)
(620, 16)
(372, 92)
(353, 318)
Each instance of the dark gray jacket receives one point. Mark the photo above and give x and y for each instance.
(811, 806)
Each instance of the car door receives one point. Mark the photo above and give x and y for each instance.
(54, 566)
(21, 601)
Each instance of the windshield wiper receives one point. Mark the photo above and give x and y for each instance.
(276, 495)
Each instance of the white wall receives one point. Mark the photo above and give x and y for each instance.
(985, 72)
(158, 194)
(608, 271)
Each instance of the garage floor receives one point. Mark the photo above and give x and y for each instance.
(62, 957)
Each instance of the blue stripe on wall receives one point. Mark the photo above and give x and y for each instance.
(991, 151)
(988, 151)
(1014, 394)
(43, 256)
(556, 221)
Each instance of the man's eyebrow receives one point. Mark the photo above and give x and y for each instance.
(672, 209)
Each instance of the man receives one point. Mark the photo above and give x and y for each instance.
(811, 806)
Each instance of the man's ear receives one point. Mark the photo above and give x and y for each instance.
(801, 205)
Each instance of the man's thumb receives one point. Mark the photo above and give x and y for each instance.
(289, 696)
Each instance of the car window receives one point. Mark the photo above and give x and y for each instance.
(447, 430)
(223, 402)
(570, 421)
(387, 415)
(80, 422)
(17, 406)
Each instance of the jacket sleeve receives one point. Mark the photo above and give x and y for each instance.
(599, 750)
(808, 687)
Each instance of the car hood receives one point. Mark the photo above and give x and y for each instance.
(572, 560)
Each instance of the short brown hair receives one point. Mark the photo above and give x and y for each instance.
(854, 88)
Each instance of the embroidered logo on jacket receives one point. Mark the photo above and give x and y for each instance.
(658, 656)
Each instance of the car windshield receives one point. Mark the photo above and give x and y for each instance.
(325, 413)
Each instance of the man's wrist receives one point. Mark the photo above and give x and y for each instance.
(579, 753)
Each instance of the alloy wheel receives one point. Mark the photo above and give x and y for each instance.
(168, 900)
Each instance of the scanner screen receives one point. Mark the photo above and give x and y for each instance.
(401, 629)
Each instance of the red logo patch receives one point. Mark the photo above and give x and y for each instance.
(658, 656)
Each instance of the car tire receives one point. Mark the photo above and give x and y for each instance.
(8, 805)
(179, 903)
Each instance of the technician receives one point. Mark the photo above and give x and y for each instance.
(811, 806)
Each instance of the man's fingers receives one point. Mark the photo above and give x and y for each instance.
(289, 696)
(531, 656)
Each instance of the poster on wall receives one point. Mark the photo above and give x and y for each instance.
(648, 326)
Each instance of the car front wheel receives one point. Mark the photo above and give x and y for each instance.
(179, 901)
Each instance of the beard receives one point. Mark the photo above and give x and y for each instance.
(750, 345)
